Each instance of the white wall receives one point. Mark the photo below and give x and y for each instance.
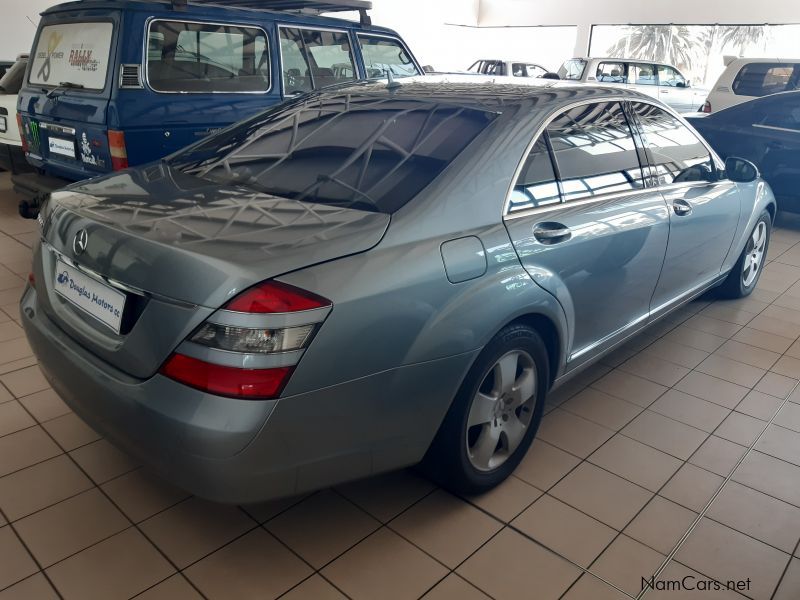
(18, 25)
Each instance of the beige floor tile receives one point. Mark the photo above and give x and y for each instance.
(5, 395)
(118, 567)
(782, 313)
(15, 562)
(387, 495)
(720, 552)
(10, 331)
(761, 339)
(264, 511)
(16, 365)
(25, 448)
(632, 460)
(544, 465)
(718, 455)
(740, 429)
(314, 588)
(384, 566)
(454, 587)
(70, 431)
(731, 370)
(565, 530)
(692, 487)
(713, 389)
(10, 352)
(789, 417)
(45, 405)
(254, 566)
(694, 338)
(759, 405)
(763, 517)
(713, 326)
(70, 526)
(25, 381)
(604, 409)
(787, 366)
(572, 433)
(770, 475)
(35, 587)
(510, 563)
(790, 584)
(655, 369)
(625, 562)
(322, 527)
(680, 354)
(102, 461)
(747, 354)
(141, 494)
(776, 385)
(665, 434)
(41, 485)
(589, 587)
(13, 418)
(794, 349)
(172, 588)
(731, 314)
(508, 499)
(194, 528)
(613, 500)
(690, 410)
(660, 524)
(768, 324)
(781, 443)
(668, 586)
(630, 387)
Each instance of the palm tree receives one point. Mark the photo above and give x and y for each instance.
(742, 37)
(675, 44)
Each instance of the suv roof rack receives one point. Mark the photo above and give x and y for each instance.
(307, 6)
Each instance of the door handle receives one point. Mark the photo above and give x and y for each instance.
(551, 233)
(681, 208)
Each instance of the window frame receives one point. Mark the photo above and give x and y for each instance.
(363, 68)
(639, 65)
(625, 66)
(146, 43)
(770, 65)
(660, 66)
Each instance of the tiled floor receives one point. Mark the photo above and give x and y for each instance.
(678, 455)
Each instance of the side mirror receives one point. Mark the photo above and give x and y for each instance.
(740, 170)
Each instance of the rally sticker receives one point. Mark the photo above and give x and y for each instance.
(98, 299)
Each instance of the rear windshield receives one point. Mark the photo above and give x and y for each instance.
(11, 82)
(360, 152)
(72, 53)
(572, 69)
(762, 79)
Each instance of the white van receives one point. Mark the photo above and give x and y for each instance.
(748, 78)
(661, 81)
(11, 155)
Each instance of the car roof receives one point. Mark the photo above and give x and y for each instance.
(740, 60)
(629, 60)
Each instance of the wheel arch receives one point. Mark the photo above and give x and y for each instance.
(550, 335)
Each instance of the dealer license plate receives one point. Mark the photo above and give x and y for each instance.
(61, 146)
(99, 300)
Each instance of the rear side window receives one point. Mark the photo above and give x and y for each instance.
(386, 54)
(72, 53)
(536, 185)
(676, 153)
(642, 74)
(608, 72)
(572, 69)
(205, 57)
(314, 59)
(364, 152)
(594, 151)
(762, 79)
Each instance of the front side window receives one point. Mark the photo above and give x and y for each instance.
(536, 185)
(527, 70)
(640, 74)
(72, 53)
(675, 152)
(669, 77)
(572, 69)
(315, 59)
(608, 72)
(205, 57)
(594, 151)
(386, 54)
(763, 79)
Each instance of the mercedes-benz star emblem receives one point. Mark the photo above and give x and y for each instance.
(80, 241)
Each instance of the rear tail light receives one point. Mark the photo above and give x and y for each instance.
(249, 348)
(116, 146)
(706, 108)
(22, 135)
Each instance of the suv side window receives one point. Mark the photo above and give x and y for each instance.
(676, 153)
(641, 74)
(669, 77)
(608, 72)
(536, 184)
(527, 70)
(385, 54)
(205, 57)
(763, 79)
(313, 59)
(594, 151)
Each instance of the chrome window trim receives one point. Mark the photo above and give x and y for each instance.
(146, 58)
(553, 115)
(240, 360)
(269, 320)
(357, 68)
(387, 36)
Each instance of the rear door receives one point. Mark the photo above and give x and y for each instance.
(585, 227)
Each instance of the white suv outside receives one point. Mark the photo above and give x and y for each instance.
(749, 78)
(510, 68)
(11, 155)
(661, 81)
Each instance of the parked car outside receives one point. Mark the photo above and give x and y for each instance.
(11, 156)
(148, 78)
(661, 81)
(511, 68)
(765, 131)
(377, 275)
(745, 79)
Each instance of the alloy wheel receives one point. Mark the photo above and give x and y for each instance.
(754, 254)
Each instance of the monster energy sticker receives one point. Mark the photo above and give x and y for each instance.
(72, 53)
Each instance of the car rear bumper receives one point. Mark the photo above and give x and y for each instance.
(241, 451)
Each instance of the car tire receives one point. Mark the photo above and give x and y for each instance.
(492, 407)
(742, 280)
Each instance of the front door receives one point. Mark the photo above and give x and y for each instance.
(586, 229)
(704, 210)
(674, 90)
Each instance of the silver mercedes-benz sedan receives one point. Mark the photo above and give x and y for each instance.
(379, 275)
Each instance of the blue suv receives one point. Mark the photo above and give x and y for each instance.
(112, 84)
